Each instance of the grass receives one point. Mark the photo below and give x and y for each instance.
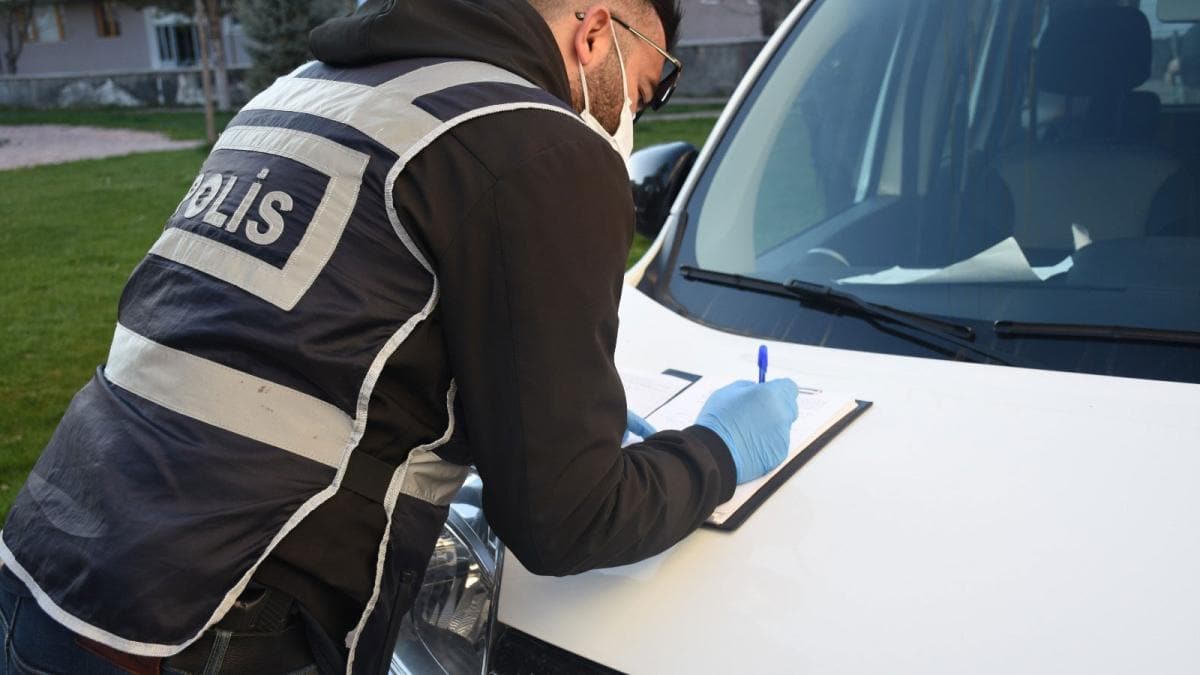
(651, 132)
(189, 124)
(678, 108)
(71, 234)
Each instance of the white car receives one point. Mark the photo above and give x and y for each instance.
(984, 217)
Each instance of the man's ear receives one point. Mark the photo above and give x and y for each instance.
(593, 35)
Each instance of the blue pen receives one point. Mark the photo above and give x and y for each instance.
(762, 364)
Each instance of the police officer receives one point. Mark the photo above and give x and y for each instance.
(400, 260)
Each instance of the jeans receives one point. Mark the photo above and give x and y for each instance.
(35, 644)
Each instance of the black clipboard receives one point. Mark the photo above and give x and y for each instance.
(760, 497)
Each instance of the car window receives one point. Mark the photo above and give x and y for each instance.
(1175, 69)
(1028, 161)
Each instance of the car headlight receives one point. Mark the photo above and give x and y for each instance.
(450, 626)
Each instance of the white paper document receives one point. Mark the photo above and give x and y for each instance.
(819, 410)
(646, 392)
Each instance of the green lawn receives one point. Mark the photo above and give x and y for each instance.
(675, 108)
(71, 234)
(651, 132)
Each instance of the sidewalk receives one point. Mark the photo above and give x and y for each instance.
(35, 145)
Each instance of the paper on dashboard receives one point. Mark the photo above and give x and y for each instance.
(1004, 262)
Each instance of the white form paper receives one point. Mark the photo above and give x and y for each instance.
(646, 392)
(819, 410)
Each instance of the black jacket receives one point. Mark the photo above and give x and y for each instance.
(527, 219)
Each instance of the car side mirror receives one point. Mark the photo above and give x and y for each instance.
(656, 174)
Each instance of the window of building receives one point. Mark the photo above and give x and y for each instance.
(176, 41)
(107, 23)
(178, 44)
(47, 24)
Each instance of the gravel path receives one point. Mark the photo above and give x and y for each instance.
(33, 145)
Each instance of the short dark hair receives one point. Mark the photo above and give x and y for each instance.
(669, 14)
(667, 11)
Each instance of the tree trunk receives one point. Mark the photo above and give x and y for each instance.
(772, 13)
(11, 54)
(9, 18)
(210, 122)
(216, 38)
(18, 17)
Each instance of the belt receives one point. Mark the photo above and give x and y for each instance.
(222, 651)
(261, 633)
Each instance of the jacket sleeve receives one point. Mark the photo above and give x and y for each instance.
(530, 285)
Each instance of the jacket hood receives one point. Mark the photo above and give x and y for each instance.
(509, 34)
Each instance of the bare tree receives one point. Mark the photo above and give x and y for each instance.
(773, 12)
(215, 12)
(17, 17)
(210, 121)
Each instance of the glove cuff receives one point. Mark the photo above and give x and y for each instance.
(722, 455)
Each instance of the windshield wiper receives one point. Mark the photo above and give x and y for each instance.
(1092, 332)
(817, 294)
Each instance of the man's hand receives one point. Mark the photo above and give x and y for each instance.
(637, 426)
(755, 421)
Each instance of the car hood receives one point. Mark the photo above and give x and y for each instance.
(976, 519)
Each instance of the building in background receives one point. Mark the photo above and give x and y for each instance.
(96, 36)
(718, 40)
(89, 52)
(104, 52)
(720, 21)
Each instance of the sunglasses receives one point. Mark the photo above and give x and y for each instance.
(672, 69)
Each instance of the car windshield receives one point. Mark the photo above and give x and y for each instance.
(1029, 162)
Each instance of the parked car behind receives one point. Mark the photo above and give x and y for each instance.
(983, 216)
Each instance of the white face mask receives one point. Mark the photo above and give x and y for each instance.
(622, 141)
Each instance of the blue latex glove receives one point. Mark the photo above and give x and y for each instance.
(637, 426)
(755, 421)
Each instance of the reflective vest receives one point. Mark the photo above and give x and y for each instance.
(248, 344)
